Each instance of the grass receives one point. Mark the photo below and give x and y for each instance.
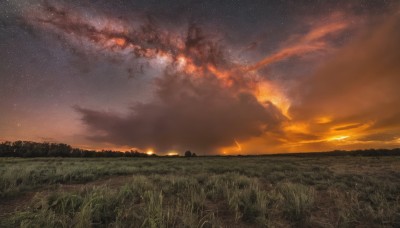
(200, 192)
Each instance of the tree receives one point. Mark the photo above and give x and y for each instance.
(188, 153)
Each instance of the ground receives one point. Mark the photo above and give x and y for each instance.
(343, 191)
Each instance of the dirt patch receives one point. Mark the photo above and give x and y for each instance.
(10, 205)
(323, 214)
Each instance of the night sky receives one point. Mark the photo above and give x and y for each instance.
(214, 77)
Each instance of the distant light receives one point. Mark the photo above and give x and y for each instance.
(150, 152)
(173, 153)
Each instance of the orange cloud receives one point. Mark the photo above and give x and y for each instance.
(356, 91)
(349, 102)
(310, 42)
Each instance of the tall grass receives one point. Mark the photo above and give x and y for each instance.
(202, 192)
(298, 200)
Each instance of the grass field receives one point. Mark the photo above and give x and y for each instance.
(200, 192)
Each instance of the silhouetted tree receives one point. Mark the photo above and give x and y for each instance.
(188, 153)
(34, 149)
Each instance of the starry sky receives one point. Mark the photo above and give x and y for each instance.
(214, 77)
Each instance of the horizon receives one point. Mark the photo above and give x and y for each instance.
(377, 151)
(215, 78)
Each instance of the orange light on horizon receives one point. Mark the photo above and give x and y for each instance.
(172, 153)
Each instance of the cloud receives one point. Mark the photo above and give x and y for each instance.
(347, 127)
(358, 88)
(197, 114)
(315, 40)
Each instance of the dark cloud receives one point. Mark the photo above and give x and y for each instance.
(188, 113)
(381, 137)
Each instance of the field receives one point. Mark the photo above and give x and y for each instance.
(327, 191)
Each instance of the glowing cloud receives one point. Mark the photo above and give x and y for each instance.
(310, 42)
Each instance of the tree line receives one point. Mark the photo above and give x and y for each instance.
(34, 149)
(29, 149)
(365, 153)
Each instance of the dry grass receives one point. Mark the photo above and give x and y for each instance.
(200, 192)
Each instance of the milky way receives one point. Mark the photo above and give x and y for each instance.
(135, 75)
